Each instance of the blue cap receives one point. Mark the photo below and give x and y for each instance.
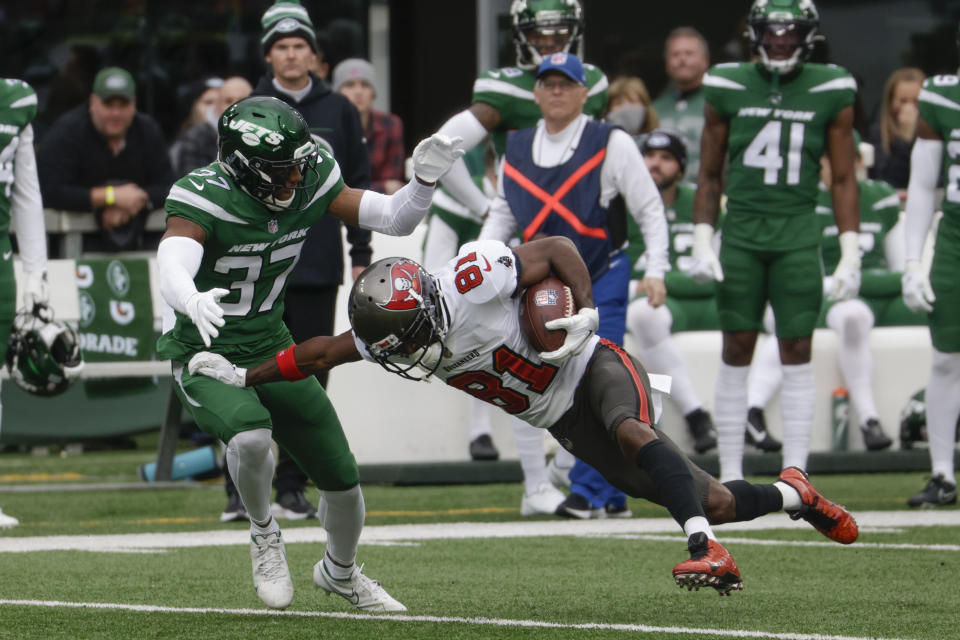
(567, 64)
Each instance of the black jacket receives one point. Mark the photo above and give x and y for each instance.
(334, 118)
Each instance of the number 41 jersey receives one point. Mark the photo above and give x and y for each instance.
(777, 133)
(250, 250)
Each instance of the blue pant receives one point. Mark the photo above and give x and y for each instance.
(610, 296)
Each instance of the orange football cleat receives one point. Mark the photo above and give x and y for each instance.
(829, 518)
(710, 565)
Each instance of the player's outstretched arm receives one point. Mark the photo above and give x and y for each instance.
(473, 125)
(705, 265)
(400, 213)
(925, 164)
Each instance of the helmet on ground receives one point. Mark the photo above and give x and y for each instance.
(561, 20)
(262, 140)
(783, 32)
(913, 422)
(397, 311)
(43, 355)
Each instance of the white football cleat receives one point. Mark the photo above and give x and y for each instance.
(362, 592)
(544, 500)
(271, 576)
(7, 522)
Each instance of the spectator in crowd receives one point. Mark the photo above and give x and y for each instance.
(686, 56)
(588, 163)
(630, 106)
(689, 306)
(290, 50)
(936, 292)
(771, 243)
(270, 170)
(107, 157)
(20, 203)
(503, 101)
(197, 147)
(593, 397)
(201, 96)
(356, 79)
(851, 320)
(893, 133)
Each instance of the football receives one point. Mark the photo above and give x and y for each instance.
(547, 300)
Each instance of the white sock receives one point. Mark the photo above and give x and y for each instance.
(270, 527)
(730, 411)
(791, 498)
(943, 407)
(796, 403)
(664, 357)
(852, 321)
(343, 513)
(765, 373)
(564, 459)
(479, 418)
(696, 524)
(530, 450)
(250, 461)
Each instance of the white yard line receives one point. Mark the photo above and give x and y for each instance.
(145, 542)
(400, 618)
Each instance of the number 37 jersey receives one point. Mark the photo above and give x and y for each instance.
(486, 355)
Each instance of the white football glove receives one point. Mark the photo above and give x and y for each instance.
(579, 327)
(846, 278)
(34, 289)
(214, 365)
(704, 265)
(433, 156)
(917, 292)
(206, 313)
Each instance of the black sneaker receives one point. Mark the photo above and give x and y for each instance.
(482, 448)
(234, 511)
(576, 506)
(757, 434)
(292, 506)
(937, 492)
(702, 429)
(873, 436)
(613, 511)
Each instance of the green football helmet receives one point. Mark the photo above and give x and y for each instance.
(263, 142)
(43, 355)
(773, 25)
(559, 19)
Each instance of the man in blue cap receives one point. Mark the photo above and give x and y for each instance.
(558, 178)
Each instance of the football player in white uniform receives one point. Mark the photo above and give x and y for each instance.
(461, 325)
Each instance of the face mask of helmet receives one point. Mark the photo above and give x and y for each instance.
(43, 355)
(269, 181)
(782, 33)
(541, 27)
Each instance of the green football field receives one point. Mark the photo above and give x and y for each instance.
(94, 561)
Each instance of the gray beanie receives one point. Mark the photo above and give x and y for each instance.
(286, 19)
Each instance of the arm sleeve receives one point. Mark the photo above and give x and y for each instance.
(626, 168)
(893, 246)
(26, 207)
(178, 260)
(500, 223)
(396, 215)
(457, 180)
(925, 163)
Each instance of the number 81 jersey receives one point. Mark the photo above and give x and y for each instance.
(486, 355)
(250, 250)
(777, 133)
(939, 106)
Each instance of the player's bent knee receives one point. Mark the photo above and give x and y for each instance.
(254, 443)
(721, 505)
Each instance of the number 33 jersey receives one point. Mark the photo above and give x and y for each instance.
(486, 355)
(777, 133)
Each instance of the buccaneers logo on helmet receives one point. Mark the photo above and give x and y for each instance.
(407, 289)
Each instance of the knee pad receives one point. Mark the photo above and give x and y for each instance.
(251, 444)
(649, 325)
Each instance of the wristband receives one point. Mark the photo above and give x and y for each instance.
(110, 196)
(288, 365)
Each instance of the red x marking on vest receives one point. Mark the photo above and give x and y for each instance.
(552, 202)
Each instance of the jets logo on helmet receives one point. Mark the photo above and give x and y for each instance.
(265, 145)
(43, 355)
(783, 32)
(542, 27)
(397, 311)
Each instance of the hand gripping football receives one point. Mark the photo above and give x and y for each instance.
(547, 300)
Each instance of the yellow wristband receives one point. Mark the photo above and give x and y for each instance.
(110, 196)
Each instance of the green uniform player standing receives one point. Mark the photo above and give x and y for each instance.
(936, 156)
(774, 118)
(235, 230)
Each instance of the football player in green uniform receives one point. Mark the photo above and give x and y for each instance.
(775, 117)
(503, 101)
(235, 229)
(689, 306)
(936, 154)
(19, 202)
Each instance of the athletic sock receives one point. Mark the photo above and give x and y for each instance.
(797, 398)
(730, 416)
(672, 479)
(530, 451)
(698, 524)
(343, 513)
(754, 500)
(765, 373)
(791, 497)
